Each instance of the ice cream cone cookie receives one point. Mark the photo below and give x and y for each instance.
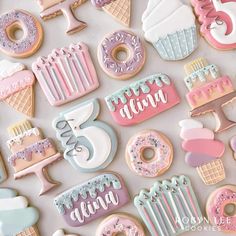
(166, 204)
(16, 217)
(120, 223)
(218, 22)
(92, 199)
(66, 74)
(208, 91)
(170, 28)
(16, 87)
(203, 152)
(220, 208)
(119, 9)
(32, 37)
(3, 172)
(31, 154)
(61, 232)
(154, 141)
(53, 8)
(115, 43)
(142, 99)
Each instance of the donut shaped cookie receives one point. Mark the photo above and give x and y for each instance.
(120, 223)
(218, 206)
(112, 45)
(32, 37)
(162, 153)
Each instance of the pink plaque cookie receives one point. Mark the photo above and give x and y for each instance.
(142, 100)
(66, 74)
(92, 199)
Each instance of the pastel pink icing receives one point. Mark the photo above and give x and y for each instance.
(198, 133)
(15, 83)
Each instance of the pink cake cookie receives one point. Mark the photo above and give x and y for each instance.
(142, 100)
(66, 74)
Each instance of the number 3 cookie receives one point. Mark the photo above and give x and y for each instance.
(90, 144)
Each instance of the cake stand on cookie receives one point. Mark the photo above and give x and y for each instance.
(216, 106)
(39, 169)
(65, 7)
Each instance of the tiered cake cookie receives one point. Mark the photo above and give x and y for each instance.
(208, 91)
(31, 153)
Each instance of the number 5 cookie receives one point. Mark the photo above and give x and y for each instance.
(90, 145)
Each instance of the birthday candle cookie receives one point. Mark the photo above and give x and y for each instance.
(66, 74)
(166, 204)
(82, 136)
(170, 28)
(92, 199)
(208, 91)
(17, 87)
(203, 151)
(218, 22)
(16, 217)
(31, 153)
(142, 99)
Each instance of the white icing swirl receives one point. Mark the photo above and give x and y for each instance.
(8, 68)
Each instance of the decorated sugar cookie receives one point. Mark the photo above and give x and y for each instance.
(203, 151)
(92, 199)
(16, 217)
(31, 153)
(120, 223)
(217, 211)
(208, 91)
(61, 232)
(161, 159)
(3, 172)
(53, 8)
(31, 40)
(90, 144)
(119, 9)
(233, 146)
(17, 87)
(142, 99)
(166, 204)
(66, 74)
(218, 22)
(170, 28)
(112, 45)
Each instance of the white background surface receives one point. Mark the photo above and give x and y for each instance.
(99, 24)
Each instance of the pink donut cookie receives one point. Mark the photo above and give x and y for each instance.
(161, 147)
(32, 37)
(218, 208)
(121, 41)
(120, 223)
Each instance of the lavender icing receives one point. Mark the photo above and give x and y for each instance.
(27, 153)
(198, 159)
(101, 3)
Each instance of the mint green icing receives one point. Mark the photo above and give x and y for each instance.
(142, 85)
(90, 187)
(201, 75)
(7, 193)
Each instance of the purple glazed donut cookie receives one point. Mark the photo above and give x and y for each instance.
(112, 45)
(32, 37)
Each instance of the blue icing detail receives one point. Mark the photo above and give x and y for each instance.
(80, 143)
(179, 45)
(7, 193)
(65, 199)
(134, 88)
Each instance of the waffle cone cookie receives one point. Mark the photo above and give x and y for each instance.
(23, 101)
(212, 172)
(31, 231)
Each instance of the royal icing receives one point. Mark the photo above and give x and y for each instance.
(142, 100)
(61, 232)
(66, 74)
(92, 199)
(218, 22)
(15, 215)
(215, 208)
(135, 50)
(168, 202)
(82, 136)
(101, 3)
(3, 173)
(163, 153)
(170, 28)
(120, 223)
(31, 39)
(8, 68)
